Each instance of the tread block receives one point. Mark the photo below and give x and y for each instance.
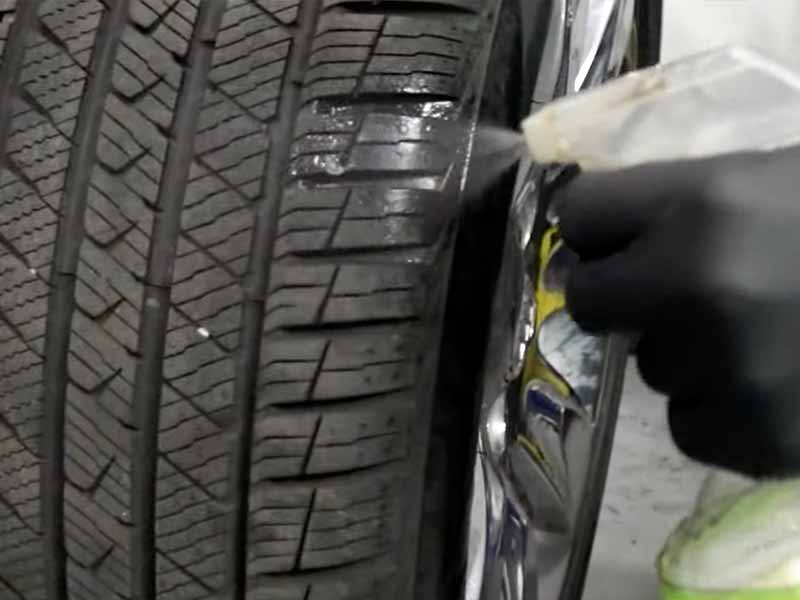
(337, 367)
(359, 219)
(356, 54)
(316, 525)
(331, 441)
(372, 583)
(351, 293)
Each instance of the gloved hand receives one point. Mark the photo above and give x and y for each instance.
(702, 259)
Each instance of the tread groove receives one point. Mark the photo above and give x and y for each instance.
(337, 476)
(62, 297)
(347, 325)
(257, 285)
(156, 298)
(388, 470)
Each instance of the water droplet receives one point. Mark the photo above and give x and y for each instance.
(437, 110)
(333, 166)
(33, 271)
(203, 332)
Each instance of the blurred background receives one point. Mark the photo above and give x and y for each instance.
(695, 25)
(651, 486)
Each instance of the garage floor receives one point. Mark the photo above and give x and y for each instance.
(651, 486)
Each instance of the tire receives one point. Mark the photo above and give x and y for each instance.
(226, 229)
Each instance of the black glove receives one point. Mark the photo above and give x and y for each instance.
(703, 260)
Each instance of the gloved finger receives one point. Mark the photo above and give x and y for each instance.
(602, 212)
(733, 434)
(662, 361)
(703, 430)
(628, 292)
(677, 355)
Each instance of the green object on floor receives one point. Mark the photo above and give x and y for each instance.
(741, 543)
(669, 592)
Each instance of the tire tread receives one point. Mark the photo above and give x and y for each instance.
(223, 226)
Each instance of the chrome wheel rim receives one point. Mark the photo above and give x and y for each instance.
(551, 391)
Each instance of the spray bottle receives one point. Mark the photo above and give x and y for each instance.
(743, 540)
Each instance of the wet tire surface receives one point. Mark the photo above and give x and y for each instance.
(225, 235)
